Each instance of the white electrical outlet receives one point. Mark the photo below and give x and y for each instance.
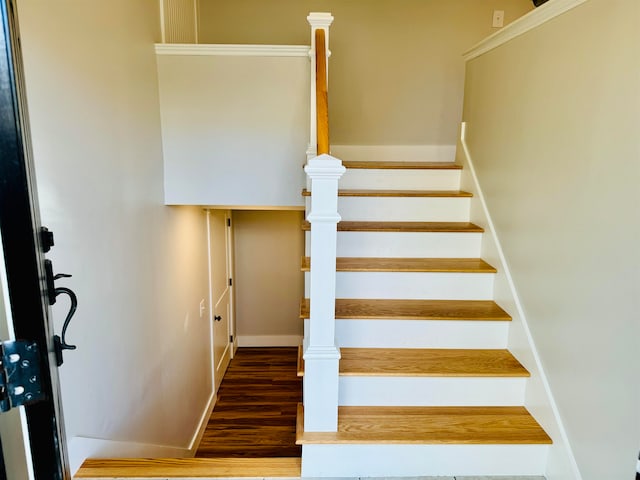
(498, 18)
(202, 308)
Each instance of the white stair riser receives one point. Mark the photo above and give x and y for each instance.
(395, 153)
(407, 244)
(422, 460)
(404, 209)
(431, 391)
(381, 333)
(412, 285)
(375, 179)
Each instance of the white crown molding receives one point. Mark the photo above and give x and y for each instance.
(233, 50)
(531, 20)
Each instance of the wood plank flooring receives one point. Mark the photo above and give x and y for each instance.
(189, 468)
(370, 226)
(402, 165)
(349, 308)
(398, 193)
(255, 414)
(426, 362)
(429, 425)
(376, 264)
(419, 362)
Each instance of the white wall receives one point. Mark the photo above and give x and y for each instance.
(268, 280)
(552, 121)
(235, 129)
(142, 373)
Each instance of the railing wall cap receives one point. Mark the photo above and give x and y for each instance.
(232, 50)
(531, 20)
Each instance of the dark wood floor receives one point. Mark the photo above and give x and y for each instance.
(255, 415)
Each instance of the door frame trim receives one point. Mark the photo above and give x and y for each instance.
(23, 253)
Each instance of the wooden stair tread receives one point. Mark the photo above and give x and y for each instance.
(402, 165)
(425, 362)
(428, 425)
(376, 264)
(439, 227)
(478, 310)
(398, 193)
(190, 467)
(300, 362)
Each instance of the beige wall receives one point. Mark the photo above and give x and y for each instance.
(396, 71)
(269, 284)
(139, 268)
(552, 126)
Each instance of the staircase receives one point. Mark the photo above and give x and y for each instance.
(426, 384)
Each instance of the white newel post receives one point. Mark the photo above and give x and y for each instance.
(316, 20)
(321, 355)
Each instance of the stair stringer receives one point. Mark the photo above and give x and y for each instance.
(539, 400)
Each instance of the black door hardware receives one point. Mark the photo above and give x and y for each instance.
(60, 342)
(19, 374)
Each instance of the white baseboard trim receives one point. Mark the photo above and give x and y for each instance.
(81, 448)
(269, 340)
(560, 452)
(202, 425)
(397, 153)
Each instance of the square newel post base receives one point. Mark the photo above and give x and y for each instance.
(321, 388)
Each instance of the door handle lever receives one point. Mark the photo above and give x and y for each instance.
(217, 318)
(60, 341)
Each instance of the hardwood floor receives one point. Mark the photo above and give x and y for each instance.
(182, 468)
(430, 425)
(371, 226)
(255, 414)
(373, 264)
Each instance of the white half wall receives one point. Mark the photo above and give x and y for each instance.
(139, 267)
(552, 120)
(235, 127)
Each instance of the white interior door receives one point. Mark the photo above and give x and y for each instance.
(220, 274)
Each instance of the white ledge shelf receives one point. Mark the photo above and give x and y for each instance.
(533, 19)
(232, 50)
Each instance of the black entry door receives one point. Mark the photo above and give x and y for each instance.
(23, 252)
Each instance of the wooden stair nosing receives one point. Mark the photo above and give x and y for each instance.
(433, 227)
(190, 467)
(300, 362)
(374, 309)
(434, 265)
(364, 165)
(428, 426)
(429, 362)
(399, 193)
